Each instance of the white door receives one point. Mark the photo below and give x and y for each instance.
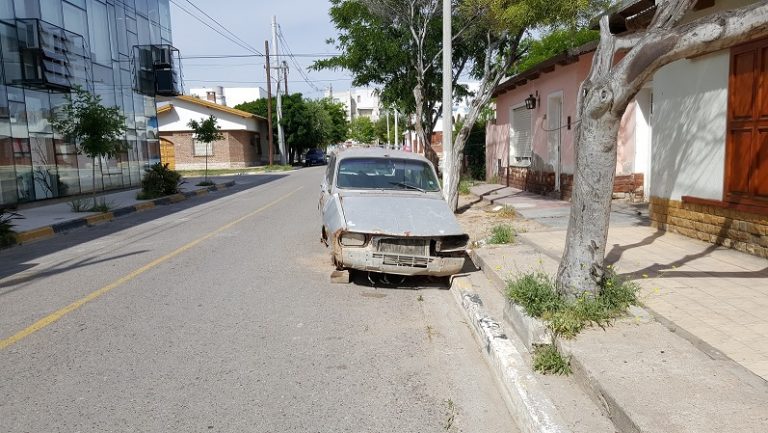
(554, 128)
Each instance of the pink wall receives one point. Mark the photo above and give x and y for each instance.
(565, 79)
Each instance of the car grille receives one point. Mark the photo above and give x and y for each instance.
(403, 260)
(415, 247)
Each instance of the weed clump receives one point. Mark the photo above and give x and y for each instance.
(564, 316)
(502, 234)
(548, 360)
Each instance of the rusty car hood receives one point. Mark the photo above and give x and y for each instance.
(401, 214)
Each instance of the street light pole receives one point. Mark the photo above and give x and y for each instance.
(448, 167)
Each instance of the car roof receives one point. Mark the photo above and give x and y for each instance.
(378, 152)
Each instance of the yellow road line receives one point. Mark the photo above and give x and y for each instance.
(55, 316)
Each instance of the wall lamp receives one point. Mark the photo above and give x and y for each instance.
(530, 101)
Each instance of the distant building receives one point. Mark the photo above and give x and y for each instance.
(361, 102)
(229, 96)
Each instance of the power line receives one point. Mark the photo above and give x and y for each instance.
(224, 28)
(264, 82)
(213, 28)
(236, 56)
(293, 59)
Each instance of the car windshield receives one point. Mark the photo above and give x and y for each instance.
(386, 173)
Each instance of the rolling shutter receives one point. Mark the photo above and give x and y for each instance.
(520, 138)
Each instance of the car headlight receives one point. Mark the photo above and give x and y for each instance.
(452, 244)
(353, 239)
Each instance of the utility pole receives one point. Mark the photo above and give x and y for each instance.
(269, 101)
(397, 136)
(280, 135)
(389, 142)
(448, 168)
(285, 68)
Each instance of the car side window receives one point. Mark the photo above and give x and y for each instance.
(329, 171)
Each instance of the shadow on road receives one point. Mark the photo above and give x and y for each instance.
(398, 282)
(22, 258)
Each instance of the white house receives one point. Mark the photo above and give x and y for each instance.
(244, 143)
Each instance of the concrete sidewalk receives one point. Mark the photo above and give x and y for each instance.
(42, 220)
(695, 359)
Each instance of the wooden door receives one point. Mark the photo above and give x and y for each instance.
(746, 174)
(167, 153)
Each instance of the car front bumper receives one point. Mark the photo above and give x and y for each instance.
(399, 264)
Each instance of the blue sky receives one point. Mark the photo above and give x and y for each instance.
(305, 26)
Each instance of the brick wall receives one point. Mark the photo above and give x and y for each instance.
(731, 228)
(541, 182)
(234, 151)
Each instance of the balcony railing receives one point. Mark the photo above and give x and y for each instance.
(156, 70)
(49, 57)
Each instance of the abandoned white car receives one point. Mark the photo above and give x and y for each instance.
(382, 211)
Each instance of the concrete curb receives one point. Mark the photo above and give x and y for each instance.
(526, 400)
(533, 331)
(46, 232)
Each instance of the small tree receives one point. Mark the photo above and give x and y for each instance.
(96, 130)
(206, 131)
(362, 130)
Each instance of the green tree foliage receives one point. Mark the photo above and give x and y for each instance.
(206, 131)
(329, 119)
(383, 44)
(554, 43)
(362, 130)
(96, 130)
(306, 123)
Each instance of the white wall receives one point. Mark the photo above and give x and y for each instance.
(690, 101)
(643, 137)
(178, 118)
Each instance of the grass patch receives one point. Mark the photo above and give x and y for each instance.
(548, 360)
(205, 183)
(464, 186)
(502, 234)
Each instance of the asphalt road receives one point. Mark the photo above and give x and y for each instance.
(217, 315)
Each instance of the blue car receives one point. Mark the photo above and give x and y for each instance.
(314, 157)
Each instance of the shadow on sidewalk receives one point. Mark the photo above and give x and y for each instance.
(670, 269)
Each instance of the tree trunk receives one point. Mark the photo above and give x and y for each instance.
(581, 268)
(93, 179)
(451, 182)
(421, 132)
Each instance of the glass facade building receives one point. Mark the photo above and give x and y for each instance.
(117, 49)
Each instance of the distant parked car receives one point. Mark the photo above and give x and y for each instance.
(314, 157)
(382, 211)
